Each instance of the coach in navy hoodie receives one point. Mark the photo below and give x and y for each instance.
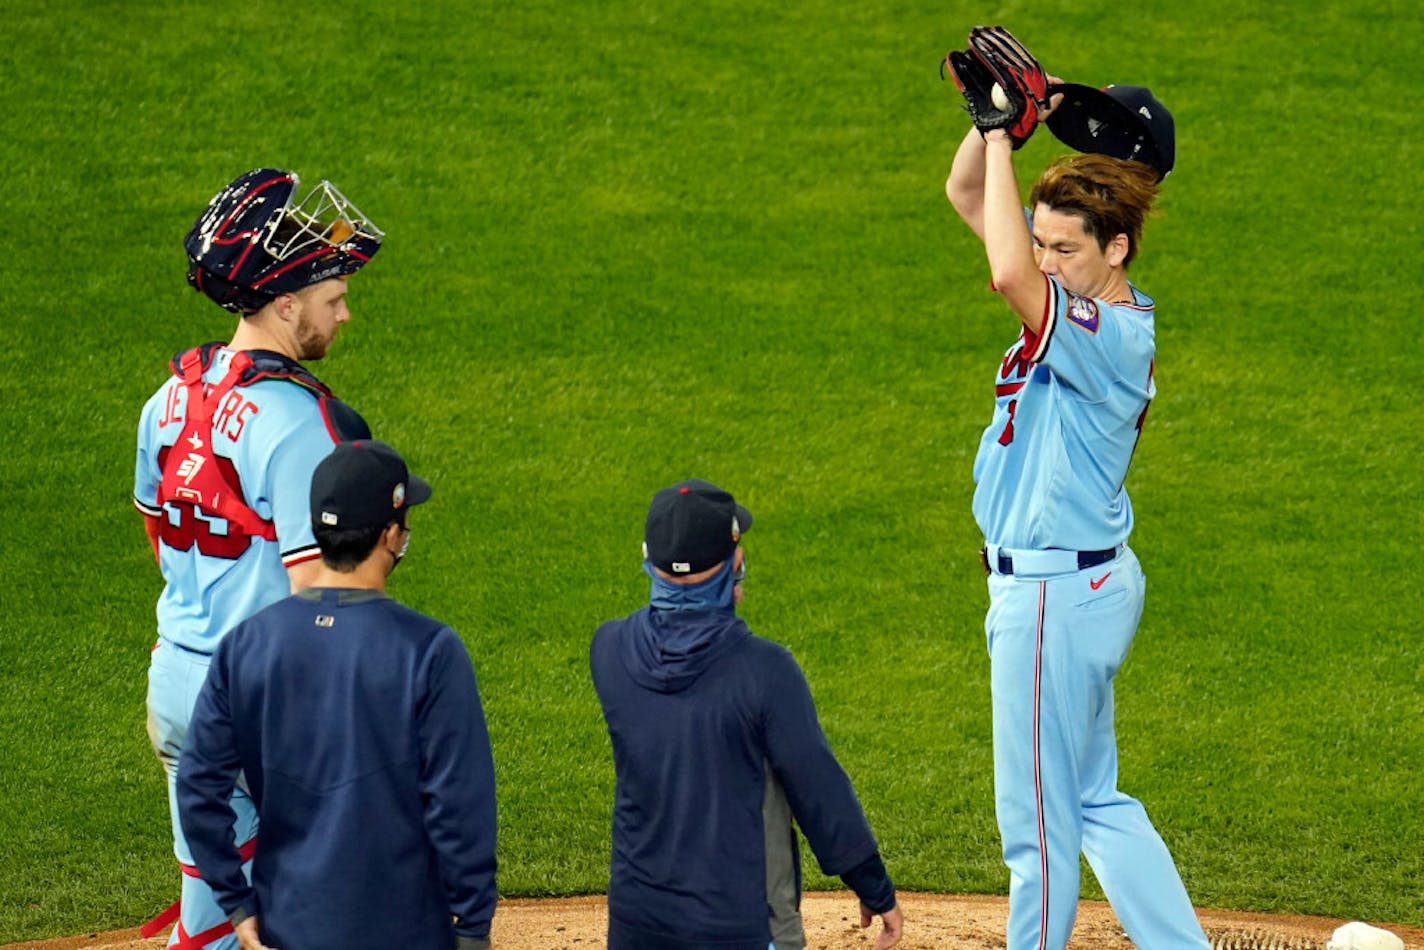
(358, 725)
(698, 710)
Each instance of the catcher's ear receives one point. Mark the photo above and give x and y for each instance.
(286, 305)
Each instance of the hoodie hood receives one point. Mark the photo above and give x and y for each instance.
(667, 650)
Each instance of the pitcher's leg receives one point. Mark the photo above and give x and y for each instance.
(1131, 861)
(1035, 778)
(1123, 848)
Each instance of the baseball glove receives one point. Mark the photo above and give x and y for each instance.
(977, 77)
(998, 45)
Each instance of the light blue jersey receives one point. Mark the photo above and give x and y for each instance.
(268, 437)
(1068, 410)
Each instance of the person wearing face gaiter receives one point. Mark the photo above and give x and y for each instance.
(706, 721)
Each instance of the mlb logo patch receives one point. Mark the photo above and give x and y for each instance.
(1083, 311)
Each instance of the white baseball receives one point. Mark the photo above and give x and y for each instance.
(1357, 935)
(997, 97)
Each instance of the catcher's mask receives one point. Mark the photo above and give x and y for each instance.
(1120, 121)
(253, 244)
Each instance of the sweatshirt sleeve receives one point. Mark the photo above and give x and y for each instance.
(817, 788)
(457, 783)
(207, 775)
(871, 883)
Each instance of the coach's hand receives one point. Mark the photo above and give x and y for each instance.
(890, 934)
(247, 937)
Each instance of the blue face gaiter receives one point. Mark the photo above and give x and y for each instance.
(712, 593)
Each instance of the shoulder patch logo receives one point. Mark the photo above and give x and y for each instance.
(1083, 311)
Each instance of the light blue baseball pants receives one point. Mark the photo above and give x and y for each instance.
(175, 677)
(1055, 642)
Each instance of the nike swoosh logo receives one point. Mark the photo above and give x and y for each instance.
(1095, 584)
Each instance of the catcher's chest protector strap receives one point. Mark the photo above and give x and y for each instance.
(193, 473)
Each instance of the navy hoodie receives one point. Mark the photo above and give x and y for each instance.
(697, 709)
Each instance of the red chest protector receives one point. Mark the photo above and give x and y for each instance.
(193, 474)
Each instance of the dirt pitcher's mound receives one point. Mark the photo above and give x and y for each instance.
(932, 922)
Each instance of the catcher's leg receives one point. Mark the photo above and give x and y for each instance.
(174, 679)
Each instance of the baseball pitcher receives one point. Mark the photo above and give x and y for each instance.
(1070, 398)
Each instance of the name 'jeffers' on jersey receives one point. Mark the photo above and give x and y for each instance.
(265, 440)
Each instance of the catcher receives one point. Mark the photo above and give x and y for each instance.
(1065, 589)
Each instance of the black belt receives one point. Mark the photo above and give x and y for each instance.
(1086, 559)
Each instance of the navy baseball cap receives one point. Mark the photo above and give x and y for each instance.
(692, 526)
(363, 484)
(1121, 121)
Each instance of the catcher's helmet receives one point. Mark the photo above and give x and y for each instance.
(253, 244)
(1120, 121)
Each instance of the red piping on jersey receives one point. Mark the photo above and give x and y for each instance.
(1037, 776)
(1045, 329)
(1008, 389)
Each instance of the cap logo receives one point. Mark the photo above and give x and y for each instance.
(1144, 111)
(681, 567)
(398, 495)
(328, 518)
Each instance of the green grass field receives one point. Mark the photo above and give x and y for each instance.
(632, 242)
